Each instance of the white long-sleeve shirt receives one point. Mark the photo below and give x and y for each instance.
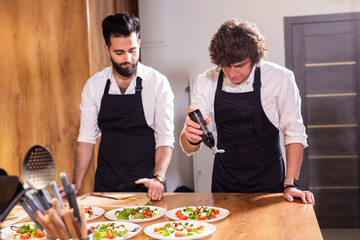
(157, 99)
(280, 98)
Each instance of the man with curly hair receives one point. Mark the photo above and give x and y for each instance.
(250, 100)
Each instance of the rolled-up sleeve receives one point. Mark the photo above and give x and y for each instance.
(89, 130)
(291, 122)
(164, 113)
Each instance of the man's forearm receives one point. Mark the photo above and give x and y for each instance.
(294, 156)
(162, 159)
(84, 154)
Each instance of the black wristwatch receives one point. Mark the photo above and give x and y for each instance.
(161, 178)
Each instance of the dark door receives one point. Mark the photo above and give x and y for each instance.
(323, 52)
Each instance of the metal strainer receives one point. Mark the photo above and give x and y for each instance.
(38, 168)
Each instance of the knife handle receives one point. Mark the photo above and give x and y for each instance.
(73, 203)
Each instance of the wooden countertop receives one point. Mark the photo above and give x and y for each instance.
(252, 215)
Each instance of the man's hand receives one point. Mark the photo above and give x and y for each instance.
(192, 130)
(306, 196)
(62, 191)
(156, 189)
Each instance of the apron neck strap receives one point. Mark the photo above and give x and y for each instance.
(257, 101)
(138, 87)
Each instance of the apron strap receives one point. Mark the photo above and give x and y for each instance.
(257, 101)
(220, 80)
(138, 87)
(107, 86)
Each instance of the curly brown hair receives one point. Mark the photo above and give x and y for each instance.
(235, 41)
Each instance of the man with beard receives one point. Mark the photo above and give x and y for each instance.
(131, 106)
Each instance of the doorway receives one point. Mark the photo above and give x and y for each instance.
(323, 51)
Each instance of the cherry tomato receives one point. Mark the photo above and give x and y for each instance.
(148, 215)
(180, 215)
(202, 218)
(110, 235)
(25, 236)
(179, 234)
(188, 229)
(39, 234)
(158, 229)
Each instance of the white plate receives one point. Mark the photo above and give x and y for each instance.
(5, 232)
(97, 212)
(129, 226)
(222, 214)
(111, 214)
(208, 229)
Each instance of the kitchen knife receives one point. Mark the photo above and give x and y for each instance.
(102, 195)
(73, 203)
(55, 193)
(31, 214)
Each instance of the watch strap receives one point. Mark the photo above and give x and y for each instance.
(289, 186)
(291, 181)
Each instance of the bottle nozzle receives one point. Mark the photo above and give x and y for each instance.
(215, 150)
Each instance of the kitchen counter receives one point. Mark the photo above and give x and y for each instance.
(252, 215)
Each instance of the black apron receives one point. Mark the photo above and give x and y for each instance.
(252, 161)
(127, 146)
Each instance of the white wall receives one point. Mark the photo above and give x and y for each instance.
(176, 34)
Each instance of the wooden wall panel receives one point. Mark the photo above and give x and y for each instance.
(48, 51)
(43, 67)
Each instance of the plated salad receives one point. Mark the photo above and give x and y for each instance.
(179, 229)
(197, 213)
(108, 231)
(26, 231)
(88, 212)
(136, 213)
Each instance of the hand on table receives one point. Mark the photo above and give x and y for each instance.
(156, 189)
(306, 196)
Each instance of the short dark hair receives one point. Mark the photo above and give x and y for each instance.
(236, 41)
(120, 25)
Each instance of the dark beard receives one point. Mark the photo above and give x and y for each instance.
(125, 72)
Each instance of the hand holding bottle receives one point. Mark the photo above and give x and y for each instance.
(192, 129)
(199, 126)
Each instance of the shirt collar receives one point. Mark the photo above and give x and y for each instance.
(249, 80)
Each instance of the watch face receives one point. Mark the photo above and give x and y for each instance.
(160, 178)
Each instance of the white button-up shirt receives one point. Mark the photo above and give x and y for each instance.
(280, 98)
(157, 99)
